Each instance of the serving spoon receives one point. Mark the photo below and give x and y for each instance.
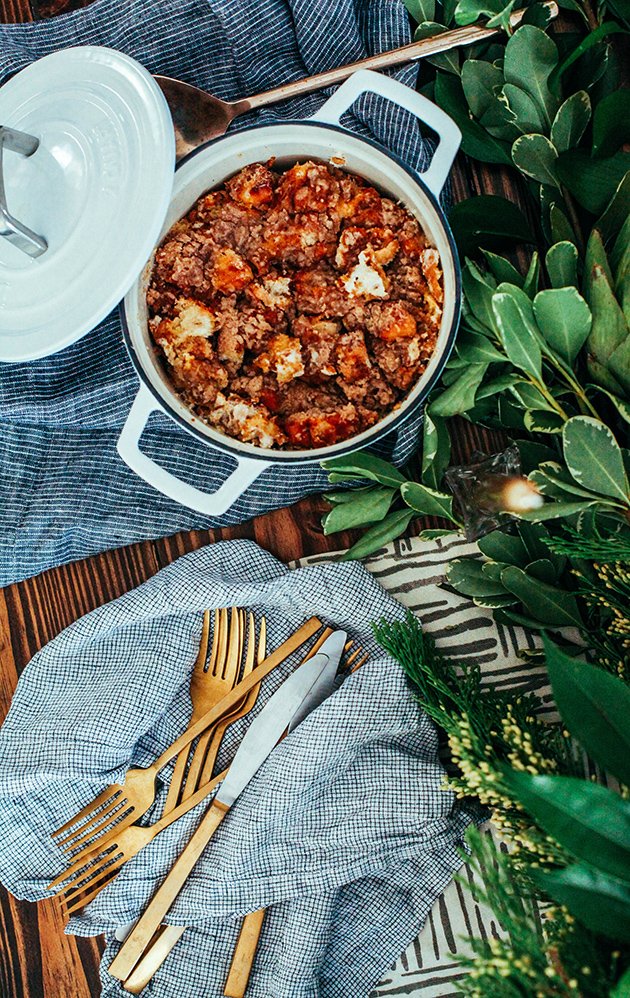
(199, 116)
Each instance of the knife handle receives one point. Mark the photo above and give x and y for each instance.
(153, 958)
(243, 955)
(132, 949)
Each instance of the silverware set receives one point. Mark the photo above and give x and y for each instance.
(224, 687)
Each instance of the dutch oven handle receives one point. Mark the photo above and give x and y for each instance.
(366, 81)
(208, 503)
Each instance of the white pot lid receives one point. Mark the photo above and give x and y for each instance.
(97, 189)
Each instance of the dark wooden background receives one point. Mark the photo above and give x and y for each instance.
(36, 959)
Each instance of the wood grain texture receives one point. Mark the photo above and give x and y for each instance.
(37, 960)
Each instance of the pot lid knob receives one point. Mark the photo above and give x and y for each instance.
(10, 228)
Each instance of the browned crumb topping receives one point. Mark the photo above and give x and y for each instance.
(295, 310)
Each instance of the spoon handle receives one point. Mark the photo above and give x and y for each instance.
(467, 35)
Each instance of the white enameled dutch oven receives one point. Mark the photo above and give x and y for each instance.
(319, 138)
(85, 183)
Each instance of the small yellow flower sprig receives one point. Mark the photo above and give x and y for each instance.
(481, 777)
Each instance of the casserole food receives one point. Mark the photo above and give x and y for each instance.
(294, 309)
(321, 140)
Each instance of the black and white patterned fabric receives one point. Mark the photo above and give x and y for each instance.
(345, 831)
(64, 492)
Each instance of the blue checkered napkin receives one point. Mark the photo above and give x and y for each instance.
(64, 492)
(344, 831)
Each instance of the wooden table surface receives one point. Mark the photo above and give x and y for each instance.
(37, 960)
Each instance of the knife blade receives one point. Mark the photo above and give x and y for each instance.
(259, 740)
(333, 646)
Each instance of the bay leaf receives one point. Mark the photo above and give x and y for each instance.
(564, 319)
(594, 458)
(391, 527)
(364, 509)
(530, 58)
(516, 337)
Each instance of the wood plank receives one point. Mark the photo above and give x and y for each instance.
(15, 12)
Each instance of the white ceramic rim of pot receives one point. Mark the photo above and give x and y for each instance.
(149, 366)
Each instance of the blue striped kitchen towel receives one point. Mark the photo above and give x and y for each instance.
(64, 491)
(345, 833)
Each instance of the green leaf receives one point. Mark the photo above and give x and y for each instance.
(595, 707)
(479, 81)
(617, 211)
(535, 156)
(619, 364)
(475, 140)
(534, 453)
(488, 221)
(447, 61)
(554, 606)
(495, 386)
(554, 510)
(564, 319)
(499, 546)
(530, 58)
(608, 331)
(468, 11)
(593, 38)
(503, 270)
(367, 508)
(494, 602)
(561, 263)
(363, 465)
(467, 577)
(460, 396)
(478, 293)
(516, 337)
(594, 457)
(592, 182)
(431, 535)
(347, 495)
(427, 501)
(528, 395)
(590, 821)
(473, 348)
(622, 407)
(530, 284)
(611, 123)
(597, 900)
(560, 476)
(561, 228)
(622, 987)
(436, 450)
(421, 10)
(544, 570)
(534, 537)
(571, 121)
(528, 116)
(380, 534)
(595, 256)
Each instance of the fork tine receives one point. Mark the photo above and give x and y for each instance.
(88, 810)
(88, 874)
(218, 661)
(115, 816)
(84, 861)
(228, 670)
(202, 654)
(73, 904)
(108, 805)
(262, 640)
(360, 663)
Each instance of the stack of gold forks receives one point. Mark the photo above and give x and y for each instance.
(103, 835)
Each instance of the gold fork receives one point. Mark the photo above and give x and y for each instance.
(209, 685)
(194, 778)
(96, 866)
(206, 691)
(123, 805)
